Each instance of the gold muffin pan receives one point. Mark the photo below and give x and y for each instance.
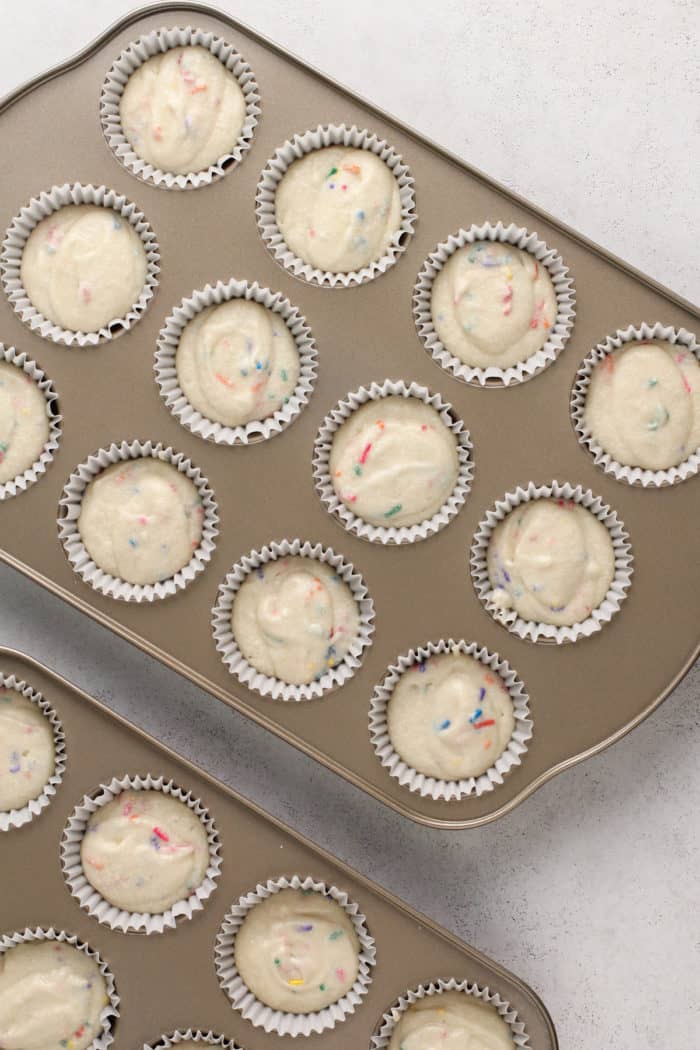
(584, 695)
(167, 981)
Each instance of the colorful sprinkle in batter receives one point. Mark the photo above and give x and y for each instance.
(51, 996)
(443, 720)
(394, 462)
(295, 621)
(144, 851)
(27, 756)
(493, 305)
(24, 421)
(297, 951)
(338, 208)
(643, 404)
(182, 110)
(453, 1021)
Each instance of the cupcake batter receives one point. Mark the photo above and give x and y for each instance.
(451, 1021)
(294, 618)
(552, 561)
(24, 422)
(83, 266)
(338, 208)
(450, 717)
(643, 404)
(493, 305)
(144, 851)
(51, 996)
(182, 110)
(141, 519)
(27, 754)
(297, 951)
(394, 462)
(237, 362)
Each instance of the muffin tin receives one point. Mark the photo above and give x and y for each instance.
(167, 981)
(583, 695)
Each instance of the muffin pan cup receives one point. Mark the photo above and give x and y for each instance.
(166, 367)
(258, 1013)
(547, 632)
(17, 818)
(110, 1013)
(435, 787)
(17, 236)
(307, 142)
(134, 56)
(265, 490)
(658, 333)
(92, 901)
(22, 481)
(170, 984)
(557, 339)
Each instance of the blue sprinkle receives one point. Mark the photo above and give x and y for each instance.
(116, 223)
(444, 725)
(506, 575)
(259, 573)
(243, 371)
(482, 693)
(422, 668)
(133, 542)
(258, 366)
(476, 716)
(361, 215)
(15, 768)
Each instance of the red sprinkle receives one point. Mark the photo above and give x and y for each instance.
(161, 835)
(365, 452)
(484, 724)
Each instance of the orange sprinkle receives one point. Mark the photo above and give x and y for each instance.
(489, 679)
(198, 87)
(227, 382)
(354, 169)
(95, 863)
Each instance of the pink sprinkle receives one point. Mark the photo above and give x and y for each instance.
(161, 835)
(686, 384)
(157, 132)
(344, 187)
(85, 294)
(424, 426)
(508, 300)
(340, 974)
(143, 519)
(312, 232)
(365, 452)
(128, 806)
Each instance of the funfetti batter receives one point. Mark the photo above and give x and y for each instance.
(51, 997)
(144, 851)
(338, 208)
(237, 362)
(141, 519)
(394, 462)
(182, 110)
(451, 1021)
(294, 618)
(643, 404)
(83, 266)
(450, 717)
(27, 753)
(24, 423)
(552, 561)
(493, 305)
(297, 951)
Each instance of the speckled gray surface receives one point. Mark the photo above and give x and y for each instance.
(589, 890)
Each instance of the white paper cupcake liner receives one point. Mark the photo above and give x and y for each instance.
(69, 509)
(630, 475)
(135, 55)
(547, 632)
(93, 902)
(559, 333)
(267, 685)
(31, 474)
(318, 138)
(262, 1016)
(16, 818)
(110, 1012)
(166, 371)
(381, 1039)
(195, 1035)
(433, 787)
(18, 233)
(382, 533)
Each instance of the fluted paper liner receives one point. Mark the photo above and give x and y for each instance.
(166, 370)
(71, 502)
(434, 787)
(18, 233)
(262, 1016)
(630, 475)
(22, 481)
(559, 333)
(383, 533)
(195, 1035)
(16, 818)
(130, 60)
(307, 142)
(547, 632)
(381, 1039)
(93, 902)
(110, 1012)
(267, 685)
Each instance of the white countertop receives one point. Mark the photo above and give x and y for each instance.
(589, 890)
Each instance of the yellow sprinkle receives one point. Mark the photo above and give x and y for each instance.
(296, 980)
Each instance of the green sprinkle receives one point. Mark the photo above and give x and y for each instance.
(277, 962)
(321, 987)
(358, 469)
(335, 935)
(394, 510)
(284, 375)
(652, 382)
(333, 171)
